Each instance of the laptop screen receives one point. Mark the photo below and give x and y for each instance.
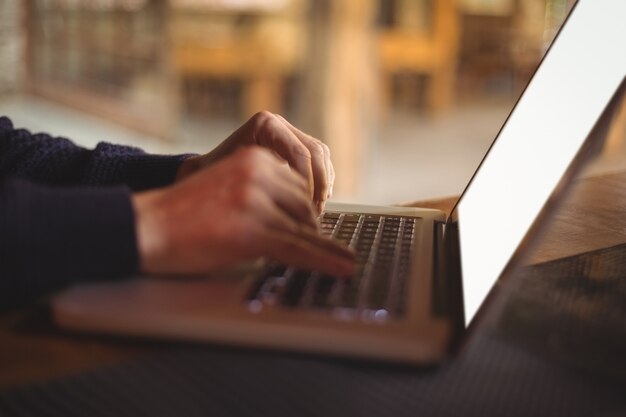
(568, 93)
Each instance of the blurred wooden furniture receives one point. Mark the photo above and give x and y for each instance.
(12, 43)
(338, 100)
(256, 47)
(503, 42)
(403, 48)
(103, 58)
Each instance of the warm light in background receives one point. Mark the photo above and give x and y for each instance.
(408, 93)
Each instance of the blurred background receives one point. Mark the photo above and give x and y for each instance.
(407, 93)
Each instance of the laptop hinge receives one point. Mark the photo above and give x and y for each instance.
(447, 285)
(440, 301)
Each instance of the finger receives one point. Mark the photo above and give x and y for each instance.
(265, 180)
(277, 137)
(284, 171)
(279, 237)
(330, 171)
(285, 188)
(312, 235)
(271, 164)
(320, 161)
(286, 191)
(272, 217)
(330, 178)
(332, 181)
(308, 233)
(309, 251)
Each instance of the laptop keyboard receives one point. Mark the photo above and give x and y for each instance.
(383, 247)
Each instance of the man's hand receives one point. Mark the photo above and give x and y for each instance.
(247, 205)
(304, 154)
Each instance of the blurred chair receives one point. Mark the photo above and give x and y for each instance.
(500, 49)
(257, 48)
(431, 52)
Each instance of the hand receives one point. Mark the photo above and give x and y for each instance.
(304, 154)
(247, 205)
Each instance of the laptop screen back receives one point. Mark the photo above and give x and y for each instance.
(577, 78)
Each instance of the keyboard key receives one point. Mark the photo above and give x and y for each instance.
(324, 287)
(383, 245)
(295, 288)
(348, 217)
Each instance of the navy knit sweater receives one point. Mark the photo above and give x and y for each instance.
(65, 211)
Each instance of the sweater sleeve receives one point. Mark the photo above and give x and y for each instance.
(52, 236)
(57, 161)
(66, 213)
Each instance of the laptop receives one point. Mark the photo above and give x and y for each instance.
(422, 278)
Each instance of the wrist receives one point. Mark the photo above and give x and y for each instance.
(149, 231)
(188, 167)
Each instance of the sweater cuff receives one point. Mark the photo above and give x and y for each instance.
(117, 164)
(54, 236)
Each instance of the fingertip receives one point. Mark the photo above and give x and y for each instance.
(319, 207)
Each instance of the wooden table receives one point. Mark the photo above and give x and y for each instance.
(31, 348)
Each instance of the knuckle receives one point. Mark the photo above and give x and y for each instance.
(246, 172)
(262, 117)
(264, 120)
(301, 150)
(245, 196)
(316, 148)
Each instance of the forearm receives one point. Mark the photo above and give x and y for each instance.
(50, 237)
(57, 161)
